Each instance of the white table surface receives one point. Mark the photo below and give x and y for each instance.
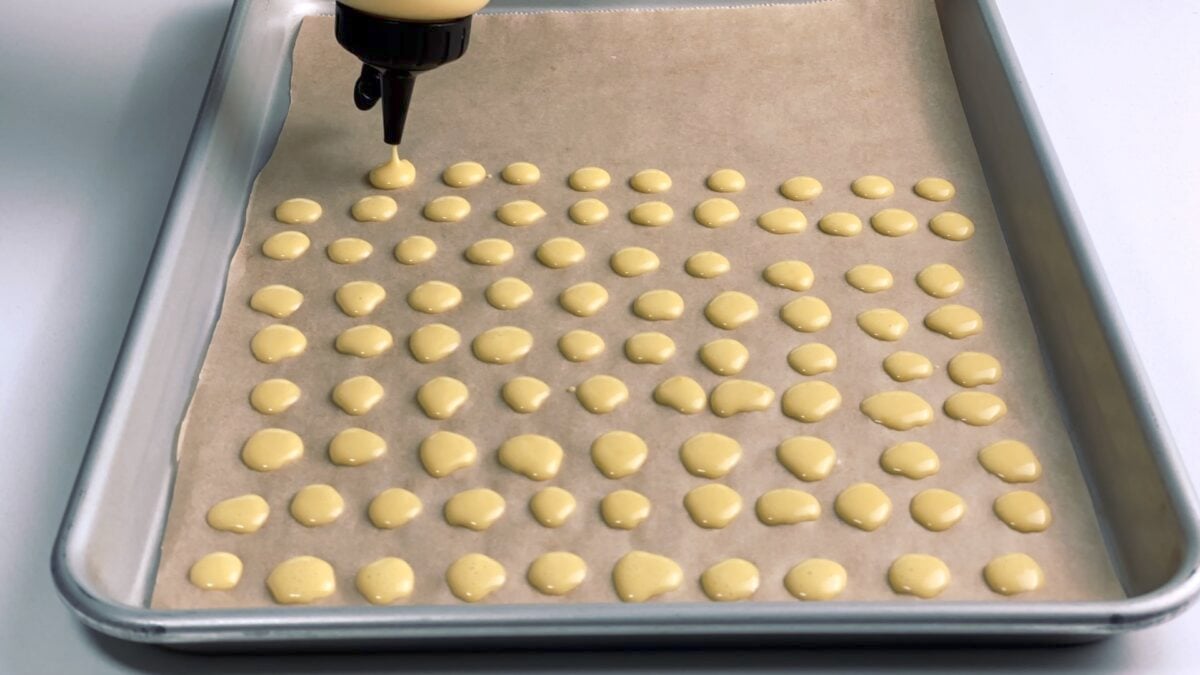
(96, 103)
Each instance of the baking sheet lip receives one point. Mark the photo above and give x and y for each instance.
(595, 620)
(69, 585)
(195, 627)
(1146, 408)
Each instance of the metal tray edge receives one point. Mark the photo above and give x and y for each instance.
(1183, 588)
(1085, 620)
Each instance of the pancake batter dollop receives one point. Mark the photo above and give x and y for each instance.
(899, 410)
(316, 505)
(534, 456)
(633, 261)
(474, 577)
(640, 576)
(807, 314)
(713, 506)
(476, 509)
(525, 394)
(652, 214)
(464, 174)
(624, 509)
(873, 187)
(706, 265)
(816, 579)
(807, 457)
(937, 510)
(1011, 461)
(940, 280)
(415, 250)
(447, 209)
(394, 173)
(433, 342)
(812, 359)
(441, 397)
(385, 581)
(444, 452)
(726, 180)
(682, 393)
(520, 213)
(521, 173)
(349, 250)
(784, 220)
(864, 506)
(364, 341)
(272, 449)
(601, 394)
(374, 209)
(435, 297)
(284, 246)
(357, 395)
(556, 573)
(651, 348)
(552, 506)
(560, 252)
(840, 224)
(1013, 573)
(588, 211)
(733, 397)
(716, 212)
(359, 298)
(220, 571)
(618, 454)
(974, 369)
(801, 188)
(787, 506)
(276, 300)
(508, 293)
(584, 299)
(910, 459)
(393, 508)
(489, 252)
(952, 226)
(793, 275)
(709, 454)
(731, 310)
(724, 356)
(869, 278)
(242, 515)
(301, 580)
(905, 366)
(730, 580)
(578, 346)
(659, 305)
(918, 574)
(811, 401)
(650, 181)
(589, 179)
(934, 189)
(298, 211)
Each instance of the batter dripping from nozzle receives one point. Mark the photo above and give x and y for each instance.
(396, 40)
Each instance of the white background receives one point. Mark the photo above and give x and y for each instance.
(96, 103)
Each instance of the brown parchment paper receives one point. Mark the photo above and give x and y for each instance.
(834, 90)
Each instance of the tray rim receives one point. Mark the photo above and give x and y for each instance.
(597, 621)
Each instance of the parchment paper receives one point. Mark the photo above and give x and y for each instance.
(834, 90)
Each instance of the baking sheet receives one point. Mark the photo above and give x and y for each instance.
(834, 90)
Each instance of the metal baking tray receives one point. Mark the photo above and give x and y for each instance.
(107, 548)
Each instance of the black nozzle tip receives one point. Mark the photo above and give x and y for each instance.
(393, 52)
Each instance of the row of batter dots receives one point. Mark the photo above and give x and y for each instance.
(637, 576)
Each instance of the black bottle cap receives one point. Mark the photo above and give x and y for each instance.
(393, 52)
